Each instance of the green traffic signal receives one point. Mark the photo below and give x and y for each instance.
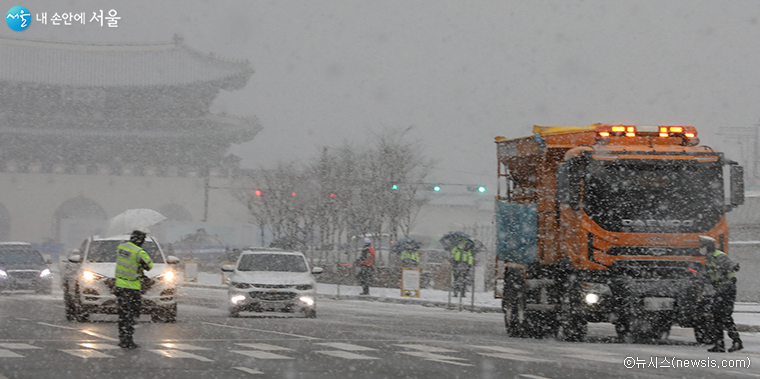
(394, 187)
(482, 189)
(436, 188)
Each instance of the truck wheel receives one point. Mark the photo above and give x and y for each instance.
(513, 303)
(572, 325)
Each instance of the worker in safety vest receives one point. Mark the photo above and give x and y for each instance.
(721, 273)
(131, 261)
(461, 264)
(366, 263)
(410, 258)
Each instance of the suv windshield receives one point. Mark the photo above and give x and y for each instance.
(105, 251)
(272, 262)
(654, 197)
(20, 255)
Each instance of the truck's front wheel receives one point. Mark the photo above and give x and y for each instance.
(513, 302)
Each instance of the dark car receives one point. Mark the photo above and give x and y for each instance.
(23, 268)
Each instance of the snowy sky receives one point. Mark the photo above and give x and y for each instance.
(460, 72)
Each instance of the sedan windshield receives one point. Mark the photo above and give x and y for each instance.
(20, 256)
(105, 251)
(272, 262)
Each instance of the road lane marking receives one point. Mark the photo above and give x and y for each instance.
(533, 376)
(500, 349)
(99, 346)
(86, 353)
(244, 369)
(260, 354)
(264, 346)
(171, 353)
(345, 346)
(261, 330)
(344, 354)
(744, 373)
(595, 358)
(85, 331)
(430, 349)
(9, 354)
(431, 356)
(449, 362)
(182, 346)
(18, 346)
(515, 357)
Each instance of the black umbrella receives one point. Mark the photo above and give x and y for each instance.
(405, 243)
(451, 239)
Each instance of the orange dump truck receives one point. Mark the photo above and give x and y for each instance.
(600, 224)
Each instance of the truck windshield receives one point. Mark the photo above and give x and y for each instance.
(654, 196)
(105, 251)
(272, 262)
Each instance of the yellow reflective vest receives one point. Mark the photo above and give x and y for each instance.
(460, 253)
(129, 258)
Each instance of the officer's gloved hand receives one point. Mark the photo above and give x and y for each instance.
(736, 267)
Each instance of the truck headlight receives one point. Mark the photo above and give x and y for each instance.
(45, 273)
(592, 298)
(307, 300)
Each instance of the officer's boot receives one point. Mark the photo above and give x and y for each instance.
(719, 347)
(736, 346)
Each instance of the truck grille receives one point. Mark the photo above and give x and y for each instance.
(656, 251)
(656, 270)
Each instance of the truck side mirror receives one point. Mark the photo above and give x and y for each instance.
(737, 185)
(76, 258)
(228, 268)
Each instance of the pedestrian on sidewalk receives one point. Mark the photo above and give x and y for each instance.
(461, 265)
(721, 273)
(366, 263)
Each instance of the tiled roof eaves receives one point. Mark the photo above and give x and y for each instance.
(87, 65)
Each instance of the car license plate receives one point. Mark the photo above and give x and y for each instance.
(659, 303)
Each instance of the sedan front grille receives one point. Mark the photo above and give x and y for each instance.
(272, 296)
(23, 274)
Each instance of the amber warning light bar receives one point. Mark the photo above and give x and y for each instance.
(687, 133)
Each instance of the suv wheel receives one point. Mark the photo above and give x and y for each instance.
(79, 314)
(310, 313)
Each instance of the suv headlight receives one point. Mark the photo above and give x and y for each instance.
(3, 274)
(167, 276)
(45, 273)
(89, 275)
(304, 287)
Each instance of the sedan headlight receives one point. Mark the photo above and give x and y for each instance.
(304, 287)
(45, 273)
(89, 275)
(307, 300)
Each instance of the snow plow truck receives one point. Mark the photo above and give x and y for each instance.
(600, 223)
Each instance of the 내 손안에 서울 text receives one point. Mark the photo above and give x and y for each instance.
(673, 362)
(99, 18)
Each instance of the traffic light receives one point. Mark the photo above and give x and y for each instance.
(433, 187)
(394, 186)
(481, 189)
(257, 193)
(437, 188)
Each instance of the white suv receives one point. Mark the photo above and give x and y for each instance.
(269, 280)
(88, 280)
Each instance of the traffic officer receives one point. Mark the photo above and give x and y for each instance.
(720, 271)
(366, 263)
(131, 260)
(461, 262)
(410, 258)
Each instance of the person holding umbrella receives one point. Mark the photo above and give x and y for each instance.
(461, 263)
